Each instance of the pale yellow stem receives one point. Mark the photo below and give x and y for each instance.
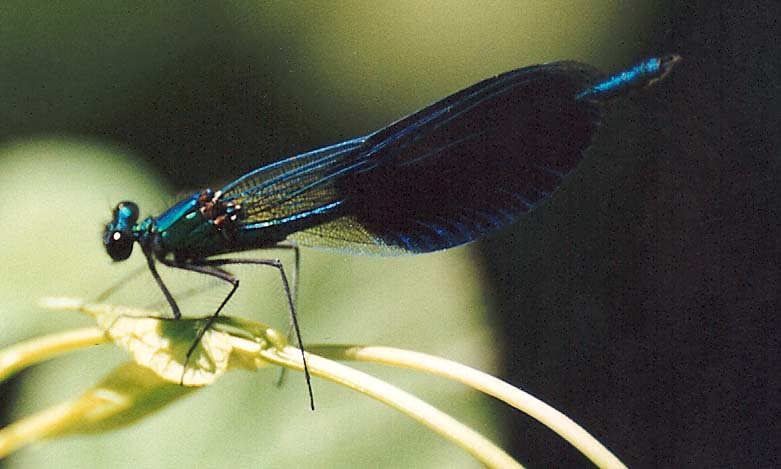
(30, 352)
(525, 402)
(474, 443)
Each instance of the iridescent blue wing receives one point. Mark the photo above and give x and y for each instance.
(441, 177)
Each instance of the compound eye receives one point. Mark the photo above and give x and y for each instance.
(119, 245)
(126, 211)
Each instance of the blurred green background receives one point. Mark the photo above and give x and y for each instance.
(106, 101)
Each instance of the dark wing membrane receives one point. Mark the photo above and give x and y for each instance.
(468, 164)
(441, 177)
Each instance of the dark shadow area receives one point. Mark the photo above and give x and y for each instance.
(643, 301)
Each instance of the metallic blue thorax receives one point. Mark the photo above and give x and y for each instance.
(203, 225)
(197, 225)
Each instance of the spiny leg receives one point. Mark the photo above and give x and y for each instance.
(294, 290)
(296, 270)
(150, 261)
(213, 271)
(269, 262)
(157, 305)
(189, 292)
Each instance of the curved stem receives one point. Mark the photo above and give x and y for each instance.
(477, 445)
(33, 351)
(32, 428)
(525, 402)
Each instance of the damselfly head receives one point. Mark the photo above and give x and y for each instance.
(118, 238)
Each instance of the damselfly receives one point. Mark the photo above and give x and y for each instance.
(441, 177)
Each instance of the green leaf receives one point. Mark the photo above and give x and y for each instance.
(128, 394)
(161, 344)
